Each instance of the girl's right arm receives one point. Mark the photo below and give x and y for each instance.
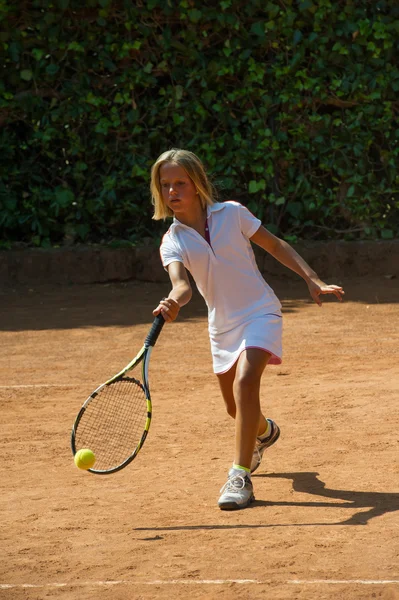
(179, 295)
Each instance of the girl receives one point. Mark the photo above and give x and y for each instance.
(212, 241)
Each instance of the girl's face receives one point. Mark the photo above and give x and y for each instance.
(178, 190)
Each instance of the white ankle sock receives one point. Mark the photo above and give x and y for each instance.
(237, 470)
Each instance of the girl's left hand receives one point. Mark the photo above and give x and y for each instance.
(318, 287)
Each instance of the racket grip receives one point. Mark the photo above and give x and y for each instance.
(155, 330)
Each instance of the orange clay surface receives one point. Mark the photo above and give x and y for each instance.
(325, 521)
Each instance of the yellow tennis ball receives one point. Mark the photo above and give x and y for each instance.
(84, 459)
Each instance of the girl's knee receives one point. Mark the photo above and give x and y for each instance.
(246, 392)
(246, 381)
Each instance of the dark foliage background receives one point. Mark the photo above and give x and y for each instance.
(291, 104)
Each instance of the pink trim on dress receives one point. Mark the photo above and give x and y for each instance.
(274, 359)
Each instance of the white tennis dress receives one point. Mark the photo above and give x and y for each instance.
(243, 310)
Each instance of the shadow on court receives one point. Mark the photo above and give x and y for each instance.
(46, 307)
(378, 503)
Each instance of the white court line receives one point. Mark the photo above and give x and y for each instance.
(41, 385)
(10, 586)
(344, 581)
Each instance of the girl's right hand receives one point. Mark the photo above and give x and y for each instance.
(169, 309)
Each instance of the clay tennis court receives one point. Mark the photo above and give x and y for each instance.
(325, 521)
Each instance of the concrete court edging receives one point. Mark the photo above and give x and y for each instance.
(99, 264)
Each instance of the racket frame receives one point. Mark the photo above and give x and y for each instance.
(143, 356)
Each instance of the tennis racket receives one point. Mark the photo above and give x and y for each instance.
(115, 419)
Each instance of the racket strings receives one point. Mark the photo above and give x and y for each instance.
(113, 423)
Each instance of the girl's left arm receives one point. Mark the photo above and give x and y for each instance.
(287, 256)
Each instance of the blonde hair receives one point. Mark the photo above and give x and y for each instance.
(194, 169)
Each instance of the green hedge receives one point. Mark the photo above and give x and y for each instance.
(292, 105)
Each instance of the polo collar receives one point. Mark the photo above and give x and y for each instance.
(214, 207)
(211, 208)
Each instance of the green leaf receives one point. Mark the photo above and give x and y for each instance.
(179, 92)
(37, 53)
(14, 51)
(253, 187)
(294, 209)
(351, 191)
(52, 69)
(94, 100)
(194, 15)
(76, 47)
(178, 119)
(258, 29)
(297, 37)
(387, 234)
(103, 125)
(64, 197)
(305, 5)
(81, 166)
(26, 75)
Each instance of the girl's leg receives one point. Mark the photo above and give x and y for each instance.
(226, 383)
(250, 422)
(240, 389)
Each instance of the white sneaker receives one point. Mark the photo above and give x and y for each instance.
(261, 445)
(237, 492)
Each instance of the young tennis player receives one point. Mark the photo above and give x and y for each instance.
(211, 240)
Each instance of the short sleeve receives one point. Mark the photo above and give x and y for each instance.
(248, 222)
(169, 251)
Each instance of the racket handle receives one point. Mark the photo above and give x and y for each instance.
(155, 330)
